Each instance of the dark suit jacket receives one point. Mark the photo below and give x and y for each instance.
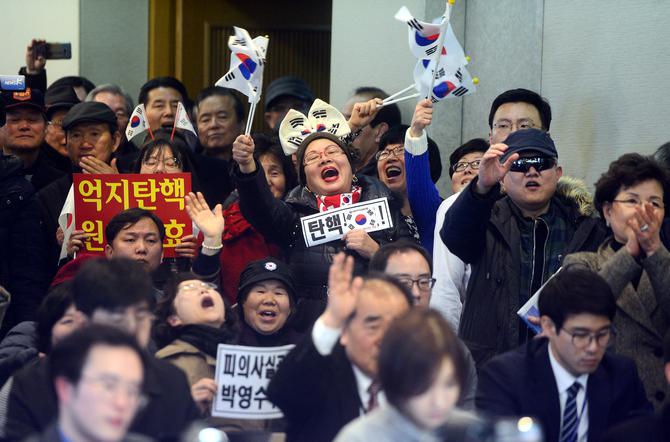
(33, 405)
(521, 383)
(318, 395)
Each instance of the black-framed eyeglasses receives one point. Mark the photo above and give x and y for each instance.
(581, 339)
(538, 163)
(424, 284)
(462, 165)
(396, 152)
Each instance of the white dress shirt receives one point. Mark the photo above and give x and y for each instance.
(324, 339)
(564, 381)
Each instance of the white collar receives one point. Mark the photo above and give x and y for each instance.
(564, 379)
(363, 383)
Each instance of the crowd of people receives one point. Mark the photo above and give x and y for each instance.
(399, 333)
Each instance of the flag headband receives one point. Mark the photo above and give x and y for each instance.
(322, 117)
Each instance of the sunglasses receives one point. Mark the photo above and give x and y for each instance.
(539, 163)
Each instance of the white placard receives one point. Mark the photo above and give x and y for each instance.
(242, 377)
(330, 226)
(530, 308)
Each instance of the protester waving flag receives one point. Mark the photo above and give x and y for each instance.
(447, 83)
(246, 68)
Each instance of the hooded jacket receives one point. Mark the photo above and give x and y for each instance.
(484, 232)
(279, 222)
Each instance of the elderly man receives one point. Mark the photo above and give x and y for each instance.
(121, 104)
(23, 135)
(329, 379)
(514, 243)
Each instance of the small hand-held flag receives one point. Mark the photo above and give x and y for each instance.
(247, 60)
(137, 123)
(182, 121)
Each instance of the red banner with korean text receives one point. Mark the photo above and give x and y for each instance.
(98, 197)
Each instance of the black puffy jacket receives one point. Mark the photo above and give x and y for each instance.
(23, 267)
(279, 222)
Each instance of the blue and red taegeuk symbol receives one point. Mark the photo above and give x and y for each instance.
(360, 219)
(425, 40)
(320, 127)
(443, 89)
(305, 132)
(135, 121)
(345, 199)
(247, 65)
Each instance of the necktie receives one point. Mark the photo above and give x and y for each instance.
(373, 390)
(570, 418)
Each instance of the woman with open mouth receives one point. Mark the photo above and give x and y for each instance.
(191, 321)
(265, 301)
(327, 182)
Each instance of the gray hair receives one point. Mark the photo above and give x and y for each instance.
(113, 89)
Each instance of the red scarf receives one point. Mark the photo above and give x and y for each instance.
(326, 203)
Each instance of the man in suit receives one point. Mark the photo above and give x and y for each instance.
(565, 379)
(322, 384)
(97, 373)
(649, 428)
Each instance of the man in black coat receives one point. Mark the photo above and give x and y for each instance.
(516, 241)
(566, 380)
(115, 292)
(323, 384)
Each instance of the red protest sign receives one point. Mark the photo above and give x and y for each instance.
(98, 197)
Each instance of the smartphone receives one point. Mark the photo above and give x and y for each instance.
(54, 51)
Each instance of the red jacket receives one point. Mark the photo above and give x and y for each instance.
(241, 245)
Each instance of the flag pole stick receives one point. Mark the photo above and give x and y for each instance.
(440, 45)
(250, 119)
(391, 97)
(398, 100)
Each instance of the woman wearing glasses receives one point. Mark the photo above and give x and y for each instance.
(327, 183)
(631, 197)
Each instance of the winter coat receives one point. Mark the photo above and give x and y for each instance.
(23, 261)
(279, 222)
(242, 244)
(483, 231)
(643, 313)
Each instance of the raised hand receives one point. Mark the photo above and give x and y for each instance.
(343, 291)
(243, 153)
(423, 116)
(35, 62)
(211, 224)
(360, 241)
(187, 247)
(491, 170)
(363, 113)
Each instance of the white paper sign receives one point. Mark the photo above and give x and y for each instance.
(242, 377)
(330, 226)
(530, 307)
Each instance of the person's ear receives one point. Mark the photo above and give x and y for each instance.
(607, 212)
(381, 129)
(116, 137)
(667, 372)
(559, 172)
(174, 321)
(109, 251)
(548, 326)
(64, 389)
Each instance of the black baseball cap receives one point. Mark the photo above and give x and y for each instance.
(288, 86)
(264, 270)
(530, 140)
(29, 98)
(90, 112)
(60, 98)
